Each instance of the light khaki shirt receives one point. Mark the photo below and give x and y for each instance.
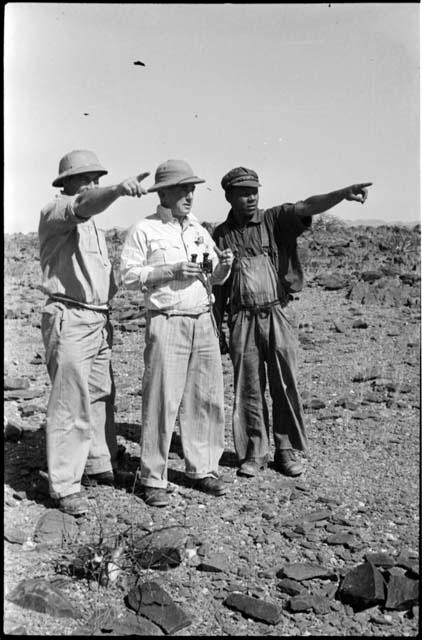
(73, 256)
(160, 240)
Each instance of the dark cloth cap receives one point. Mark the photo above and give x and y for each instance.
(240, 177)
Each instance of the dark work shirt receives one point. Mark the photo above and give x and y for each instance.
(283, 227)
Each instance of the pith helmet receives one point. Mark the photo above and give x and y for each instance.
(173, 172)
(75, 162)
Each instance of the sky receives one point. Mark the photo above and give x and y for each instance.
(314, 97)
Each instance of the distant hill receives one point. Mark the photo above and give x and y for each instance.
(376, 222)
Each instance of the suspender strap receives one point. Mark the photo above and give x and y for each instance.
(265, 240)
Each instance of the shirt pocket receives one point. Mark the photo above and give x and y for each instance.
(88, 239)
(165, 252)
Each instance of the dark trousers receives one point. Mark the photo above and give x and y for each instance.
(265, 344)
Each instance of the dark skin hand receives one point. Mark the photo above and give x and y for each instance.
(244, 201)
(318, 204)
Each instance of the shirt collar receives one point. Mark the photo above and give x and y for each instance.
(256, 218)
(167, 216)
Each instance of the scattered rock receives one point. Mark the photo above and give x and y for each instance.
(319, 514)
(383, 560)
(12, 384)
(106, 622)
(318, 604)
(305, 571)
(14, 535)
(291, 587)
(23, 394)
(379, 618)
(360, 324)
(39, 595)
(409, 278)
(371, 276)
(148, 599)
(411, 563)
(402, 593)
(254, 608)
(13, 627)
(363, 587)
(370, 373)
(339, 326)
(328, 500)
(55, 527)
(345, 539)
(346, 403)
(161, 549)
(332, 282)
(398, 387)
(313, 403)
(29, 410)
(304, 527)
(215, 562)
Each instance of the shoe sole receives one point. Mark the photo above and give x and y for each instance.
(152, 503)
(245, 474)
(212, 493)
(75, 514)
(287, 472)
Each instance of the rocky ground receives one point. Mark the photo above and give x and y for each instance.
(333, 553)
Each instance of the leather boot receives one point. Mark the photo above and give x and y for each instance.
(285, 463)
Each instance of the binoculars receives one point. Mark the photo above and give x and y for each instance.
(206, 264)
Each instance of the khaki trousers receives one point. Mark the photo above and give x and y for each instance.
(80, 418)
(183, 374)
(265, 344)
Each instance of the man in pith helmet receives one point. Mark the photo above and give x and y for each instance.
(257, 298)
(78, 279)
(172, 258)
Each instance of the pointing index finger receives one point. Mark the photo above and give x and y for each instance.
(142, 176)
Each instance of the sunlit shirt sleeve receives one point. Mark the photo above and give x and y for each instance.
(134, 269)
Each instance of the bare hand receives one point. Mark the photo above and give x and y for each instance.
(357, 192)
(225, 256)
(132, 186)
(186, 270)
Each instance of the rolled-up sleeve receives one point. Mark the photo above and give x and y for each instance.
(60, 213)
(134, 269)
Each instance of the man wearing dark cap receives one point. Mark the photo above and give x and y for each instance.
(78, 279)
(172, 258)
(266, 272)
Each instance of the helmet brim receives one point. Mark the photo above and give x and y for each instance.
(174, 183)
(93, 168)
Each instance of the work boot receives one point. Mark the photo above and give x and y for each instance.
(210, 484)
(285, 463)
(250, 468)
(74, 505)
(155, 497)
(92, 479)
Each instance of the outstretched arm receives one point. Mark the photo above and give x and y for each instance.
(90, 202)
(318, 204)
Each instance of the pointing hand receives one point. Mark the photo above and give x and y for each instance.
(357, 192)
(225, 256)
(132, 186)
